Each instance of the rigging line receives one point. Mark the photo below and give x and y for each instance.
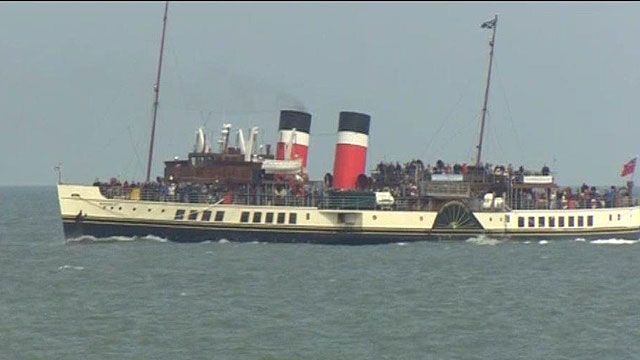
(205, 119)
(509, 116)
(179, 75)
(135, 149)
(448, 117)
(491, 131)
(455, 134)
(168, 105)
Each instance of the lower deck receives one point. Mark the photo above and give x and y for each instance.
(86, 212)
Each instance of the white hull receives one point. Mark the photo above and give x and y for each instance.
(84, 210)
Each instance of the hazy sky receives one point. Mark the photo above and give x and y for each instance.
(76, 82)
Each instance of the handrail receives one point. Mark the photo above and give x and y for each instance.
(366, 201)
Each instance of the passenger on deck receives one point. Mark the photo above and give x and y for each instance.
(545, 170)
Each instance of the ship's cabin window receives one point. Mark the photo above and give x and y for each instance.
(206, 215)
(308, 216)
(580, 221)
(610, 217)
(590, 220)
(269, 218)
(257, 217)
(244, 217)
(507, 218)
(618, 217)
(193, 214)
(541, 221)
(552, 221)
(571, 221)
(293, 218)
(219, 216)
(532, 221)
(281, 217)
(179, 215)
(520, 221)
(560, 221)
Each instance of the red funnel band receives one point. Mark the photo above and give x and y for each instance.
(297, 152)
(351, 159)
(299, 145)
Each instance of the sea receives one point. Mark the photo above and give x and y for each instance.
(147, 298)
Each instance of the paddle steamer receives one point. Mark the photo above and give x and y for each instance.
(246, 193)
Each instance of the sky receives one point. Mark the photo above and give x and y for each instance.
(76, 83)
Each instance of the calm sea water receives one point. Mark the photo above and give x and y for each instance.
(149, 299)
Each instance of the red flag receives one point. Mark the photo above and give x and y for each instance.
(629, 167)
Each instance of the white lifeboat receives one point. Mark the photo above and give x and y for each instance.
(271, 166)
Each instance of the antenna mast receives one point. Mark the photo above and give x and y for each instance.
(491, 24)
(156, 90)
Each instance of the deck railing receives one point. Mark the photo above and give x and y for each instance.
(324, 200)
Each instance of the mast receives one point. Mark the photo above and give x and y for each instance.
(491, 24)
(156, 90)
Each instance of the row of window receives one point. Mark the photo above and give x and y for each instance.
(244, 216)
(193, 215)
(551, 221)
(269, 217)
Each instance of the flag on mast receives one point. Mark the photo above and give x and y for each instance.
(629, 168)
(488, 24)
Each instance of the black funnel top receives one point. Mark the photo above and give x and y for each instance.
(353, 121)
(292, 119)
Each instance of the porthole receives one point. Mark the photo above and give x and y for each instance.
(490, 219)
(134, 209)
(120, 208)
(421, 218)
(149, 210)
(375, 217)
(162, 210)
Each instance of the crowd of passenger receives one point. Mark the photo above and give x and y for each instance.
(581, 198)
(161, 190)
(408, 181)
(389, 173)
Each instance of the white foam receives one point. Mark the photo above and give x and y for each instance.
(401, 243)
(183, 294)
(613, 242)
(91, 239)
(580, 240)
(63, 267)
(120, 238)
(527, 242)
(543, 242)
(155, 238)
(223, 241)
(483, 240)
